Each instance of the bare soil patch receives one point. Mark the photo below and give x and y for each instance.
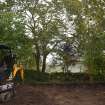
(59, 95)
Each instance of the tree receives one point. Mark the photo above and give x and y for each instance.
(89, 17)
(43, 24)
(12, 31)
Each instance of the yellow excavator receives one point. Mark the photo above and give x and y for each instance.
(8, 72)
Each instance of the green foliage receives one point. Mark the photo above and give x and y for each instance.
(94, 57)
(70, 77)
(72, 6)
(32, 76)
(43, 23)
(89, 32)
(12, 32)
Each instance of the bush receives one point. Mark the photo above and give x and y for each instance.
(98, 77)
(34, 76)
(70, 76)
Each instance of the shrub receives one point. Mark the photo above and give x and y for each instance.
(34, 76)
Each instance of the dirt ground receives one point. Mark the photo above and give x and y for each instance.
(58, 95)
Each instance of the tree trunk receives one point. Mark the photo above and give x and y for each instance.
(44, 63)
(38, 62)
(37, 58)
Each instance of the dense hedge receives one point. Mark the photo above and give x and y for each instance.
(69, 76)
(33, 76)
